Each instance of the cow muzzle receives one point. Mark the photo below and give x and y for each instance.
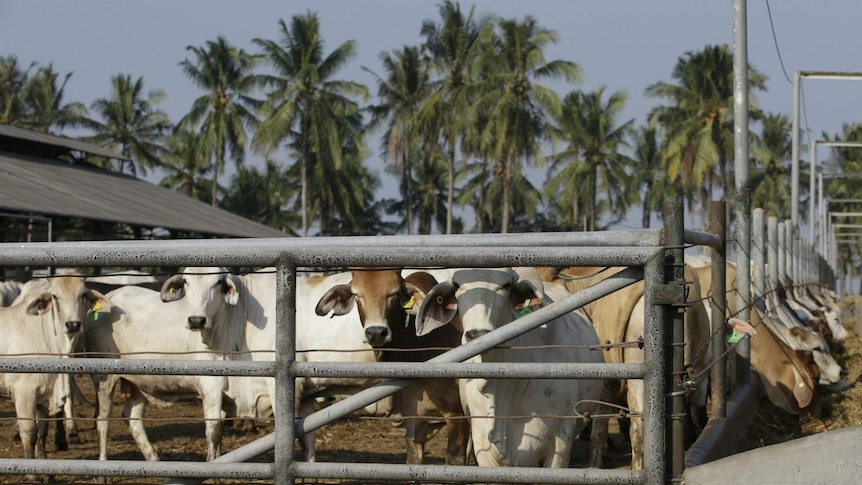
(197, 323)
(378, 336)
(73, 327)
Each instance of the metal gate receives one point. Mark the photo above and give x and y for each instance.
(655, 256)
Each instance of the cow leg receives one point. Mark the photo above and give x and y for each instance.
(25, 410)
(69, 423)
(60, 441)
(104, 385)
(458, 436)
(136, 404)
(212, 408)
(415, 430)
(306, 442)
(598, 442)
(562, 445)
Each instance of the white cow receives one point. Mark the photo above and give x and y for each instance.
(44, 321)
(487, 299)
(140, 326)
(235, 315)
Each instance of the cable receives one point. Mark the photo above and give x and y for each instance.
(775, 39)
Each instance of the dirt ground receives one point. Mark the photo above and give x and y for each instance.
(178, 433)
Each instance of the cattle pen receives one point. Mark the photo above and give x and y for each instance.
(654, 256)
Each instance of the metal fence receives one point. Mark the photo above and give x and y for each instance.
(656, 256)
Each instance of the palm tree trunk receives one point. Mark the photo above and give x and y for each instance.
(647, 210)
(303, 196)
(450, 195)
(408, 193)
(303, 174)
(504, 223)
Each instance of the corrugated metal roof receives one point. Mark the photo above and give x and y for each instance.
(41, 186)
(60, 141)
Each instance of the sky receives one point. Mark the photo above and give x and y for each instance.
(621, 44)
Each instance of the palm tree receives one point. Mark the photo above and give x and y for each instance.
(260, 196)
(225, 111)
(770, 170)
(654, 182)
(518, 107)
(305, 105)
(13, 83)
(698, 124)
(31, 98)
(188, 165)
(592, 157)
(131, 123)
(453, 46)
(402, 89)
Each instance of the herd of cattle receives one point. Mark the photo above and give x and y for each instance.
(370, 315)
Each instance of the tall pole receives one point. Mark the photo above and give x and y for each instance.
(811, 190)
(743, 190)
(794, 154)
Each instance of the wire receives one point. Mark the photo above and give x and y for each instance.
(775, 39)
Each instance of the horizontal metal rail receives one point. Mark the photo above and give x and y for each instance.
(356, 471)
(640, 237)
(322, 369)
(471, 474)
(702, 239)
(130, 468)
(335, 256)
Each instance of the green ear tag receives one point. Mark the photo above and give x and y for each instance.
(525, 310)
(734, 337)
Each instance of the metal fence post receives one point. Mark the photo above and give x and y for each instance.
(718, 302)
(285, 383)
(674, 334)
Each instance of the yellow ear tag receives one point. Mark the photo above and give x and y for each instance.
(410, 303)
(97, 306)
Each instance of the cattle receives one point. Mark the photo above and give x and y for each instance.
(44, 321)
(140, 326)
(791, 331)
(235, 317)
(618, 318)
(380, 297)
(788, 377)
(517, 422)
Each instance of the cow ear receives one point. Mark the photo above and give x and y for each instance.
(40, 305)
(525, 296)
(797, 331)
(231, 295)
(96, 301)
(338, 300)
(415, 297)
(437, 309)
(172, 288)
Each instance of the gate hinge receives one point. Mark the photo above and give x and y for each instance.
(675, 294)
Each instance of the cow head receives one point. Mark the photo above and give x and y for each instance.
(66, 299)
(379, 295)
(204, 291)
(830, 371)
(485, 299)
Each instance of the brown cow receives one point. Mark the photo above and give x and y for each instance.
(789, 377)
(381, 297)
